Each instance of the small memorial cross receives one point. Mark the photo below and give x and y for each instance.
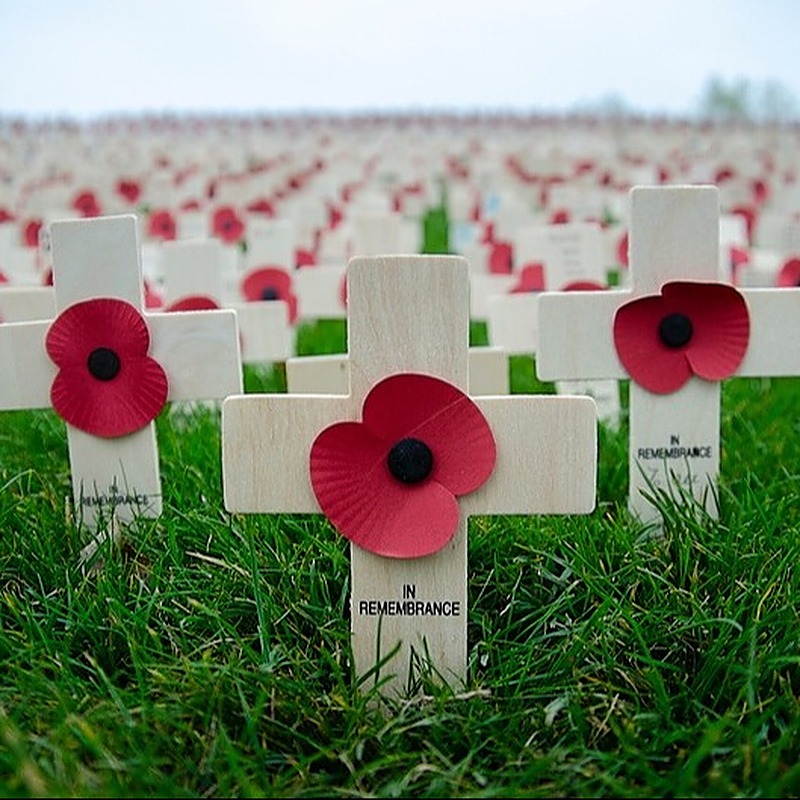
(386, 462)
(108, 368)
(676, 333)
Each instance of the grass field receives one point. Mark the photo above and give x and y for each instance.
(208, 654)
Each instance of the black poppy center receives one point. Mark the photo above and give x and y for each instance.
(270, 293)
(675, 330)
(410, 461)
(103, 363)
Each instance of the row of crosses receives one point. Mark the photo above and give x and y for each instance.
(400, 462)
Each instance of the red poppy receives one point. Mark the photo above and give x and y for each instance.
(689, 329)
(750, 217)
(193, 302)
(622, 250)
(129, 190)
(270, 283)
(86, 204)
(152, 299)
(739, 257)
(226, 225)
(30, 232)
(106, 385)
(501, 259)
(389, 483)
(531, 279)
(583, 286)
(5, 215)
(161, 225)
(724, 174)
(760, 189)
(335, 216)
(560, 216)
(789, 274)
(262, 206)
(304, 257)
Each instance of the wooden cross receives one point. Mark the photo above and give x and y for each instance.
(198, 351)
(409, 314)
(674, 438)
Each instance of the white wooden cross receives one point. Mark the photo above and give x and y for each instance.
(674, 438)
(198, 351)
(409, 314)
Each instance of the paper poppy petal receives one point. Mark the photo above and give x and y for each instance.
(440, 415)
(648, 361)
(101, 322)
(721, 326)
(112, 408)
(356, 492)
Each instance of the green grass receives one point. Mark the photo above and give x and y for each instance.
(208, 653)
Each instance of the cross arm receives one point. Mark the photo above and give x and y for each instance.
(19, 304)
(576, 337)
(27, 371)
(199, 351)
(266, 442)
(773, 349)
(546, 456)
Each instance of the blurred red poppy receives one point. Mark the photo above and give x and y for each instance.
(129, 190)
(30, 232)
(531, 279)
(789, 274)
(193, 302)
(161, 225)
(226, 225)
(86, 204)
(270, 283)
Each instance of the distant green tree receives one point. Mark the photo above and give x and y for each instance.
(777, 103)
(741, 100)
(721, 102)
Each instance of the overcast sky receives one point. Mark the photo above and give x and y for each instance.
(85, 58)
